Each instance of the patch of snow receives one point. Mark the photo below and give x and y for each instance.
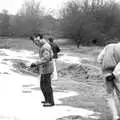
(22, 55)
(70, 59)
(17, 105)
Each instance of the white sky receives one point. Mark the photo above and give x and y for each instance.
(14, 5)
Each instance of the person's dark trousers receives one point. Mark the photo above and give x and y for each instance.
(45, 84)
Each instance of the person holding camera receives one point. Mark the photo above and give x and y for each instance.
(46, 68)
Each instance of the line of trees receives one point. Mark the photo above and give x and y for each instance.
(91, 22)
(29, 19)
(86, 22)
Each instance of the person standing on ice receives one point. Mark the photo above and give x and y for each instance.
(109, 59)
(46, 69)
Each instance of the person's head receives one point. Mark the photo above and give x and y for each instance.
(39, 41)
(50, 39)
(40, 36)
(35, 39)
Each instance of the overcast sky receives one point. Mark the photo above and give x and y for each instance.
(14, 5)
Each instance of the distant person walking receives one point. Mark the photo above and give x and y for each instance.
(109, 59)
(46, 69)
(56, 50)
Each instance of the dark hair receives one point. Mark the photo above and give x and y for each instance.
(40, 35)
(32, 37)
(50, 39)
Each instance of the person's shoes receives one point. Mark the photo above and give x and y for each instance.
(43, 102)
(48, 104)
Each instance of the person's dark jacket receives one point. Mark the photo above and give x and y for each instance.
(55, 49)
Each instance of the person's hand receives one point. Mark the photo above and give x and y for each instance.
(33, 65)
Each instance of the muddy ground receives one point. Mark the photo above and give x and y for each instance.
(83, 76)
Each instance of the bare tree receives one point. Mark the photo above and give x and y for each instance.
(30, 15)
(31, 8)
(4, 23)
(97, 21)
